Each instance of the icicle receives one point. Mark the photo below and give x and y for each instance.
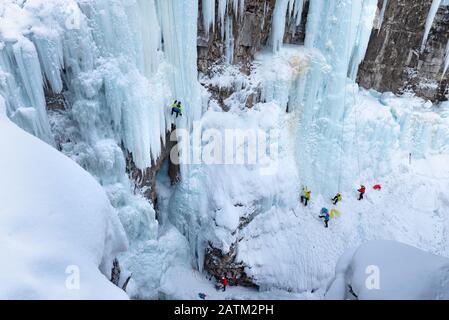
(208, 15)
(264, 14)
(429, 21)
(382, 15)
(278, 26)
(299, 6)
(242, 9)
(446, 61)
(282, 10)
(229, 41)
(363, 28)
(222, 6)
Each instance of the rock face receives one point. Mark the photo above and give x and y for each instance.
(218, 265)
(394, 60)
(250, 32)
(55, 101)
(145, 180)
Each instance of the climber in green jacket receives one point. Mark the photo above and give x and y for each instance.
(176, 107)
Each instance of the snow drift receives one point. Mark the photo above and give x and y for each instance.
(390, 270)
(55, 220)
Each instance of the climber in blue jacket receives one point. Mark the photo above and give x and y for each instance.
(325, 215)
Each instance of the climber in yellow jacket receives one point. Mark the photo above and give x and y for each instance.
(305, 198)
(337, 198)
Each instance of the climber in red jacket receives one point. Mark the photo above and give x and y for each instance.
(224, 282)
(362, 191)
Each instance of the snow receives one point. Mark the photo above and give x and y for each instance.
(181, 283)
(120, 69)
(405, 273)
(285, 246)
(54, 217)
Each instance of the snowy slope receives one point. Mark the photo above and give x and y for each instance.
(390, 270)
(285, 246)
(54, 219)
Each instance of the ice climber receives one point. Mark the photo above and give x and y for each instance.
(224, 282)
(337, 198)
(305, 198)
(325, 215)
(362, 191)
(176, 107)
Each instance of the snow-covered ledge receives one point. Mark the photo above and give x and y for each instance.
(390, 270)
(58, 231)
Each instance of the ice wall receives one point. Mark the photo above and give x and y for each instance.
(118, 64)
(320, 98)
(179, 29)
(20, 70)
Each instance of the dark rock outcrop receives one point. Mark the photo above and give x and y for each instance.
(55, 101)
(145, 180)
(221, 265)
(394, 60)
(250, 33)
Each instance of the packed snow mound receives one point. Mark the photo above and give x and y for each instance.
(56, 223)
(390, 270)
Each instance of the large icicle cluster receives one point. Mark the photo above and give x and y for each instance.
(283, 9)
(117, 64)
(110, 69)
(227, 11)
(209, 7)
(321, 97)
